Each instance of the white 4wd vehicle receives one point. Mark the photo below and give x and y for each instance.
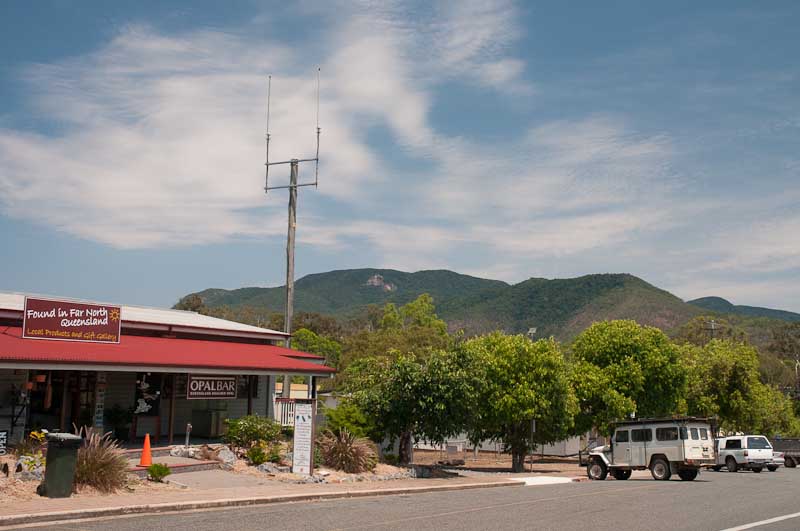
(749, 452)
(665, 446)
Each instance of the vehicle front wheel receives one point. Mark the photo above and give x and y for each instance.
(772, 468)
(660, 469)
(597, 469)
(687, 474)
(757, 469)
(790, 463)
(731, 465)
(621, 474)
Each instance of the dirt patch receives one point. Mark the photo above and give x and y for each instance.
(492, 462)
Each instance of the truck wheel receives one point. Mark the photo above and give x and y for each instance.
(688, 474)
(597, 469)
(716, 468)
(731, 464)
(660, 469)
(621, 474)
(790, 463)
(757, 469)
(772, 468)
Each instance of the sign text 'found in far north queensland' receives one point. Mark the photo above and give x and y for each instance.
(70, 321)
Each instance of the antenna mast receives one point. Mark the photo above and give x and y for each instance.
(294, 170)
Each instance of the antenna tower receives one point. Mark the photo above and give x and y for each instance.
(294, 170)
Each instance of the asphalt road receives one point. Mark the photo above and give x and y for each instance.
(715, 501)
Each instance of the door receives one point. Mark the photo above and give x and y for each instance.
(639, 439)
(622, 448)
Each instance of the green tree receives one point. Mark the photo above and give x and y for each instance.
(412, 329)
(307, 341)
(724, 382)
(522, 381)
(704, 328)
(409, 397)
(634, 365)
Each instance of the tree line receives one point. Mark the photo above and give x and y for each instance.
(402, 376)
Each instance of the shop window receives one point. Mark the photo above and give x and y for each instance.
(241, 390)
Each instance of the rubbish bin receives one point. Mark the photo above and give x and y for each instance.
(59, 472)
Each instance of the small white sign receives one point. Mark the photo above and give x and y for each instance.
(3, 442)
(303, 451)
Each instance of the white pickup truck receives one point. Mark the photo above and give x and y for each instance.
(746, 452)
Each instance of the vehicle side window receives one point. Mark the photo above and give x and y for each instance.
(684, 434)
(733, 444)
(642, 435)
(758, 443)
(704, 434)
(667, 434)
(621, 436)
(695, 434)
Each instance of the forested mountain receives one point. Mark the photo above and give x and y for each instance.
(720, 305)
(560, 307)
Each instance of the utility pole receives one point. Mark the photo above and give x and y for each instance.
(287, 322)
(294, 170)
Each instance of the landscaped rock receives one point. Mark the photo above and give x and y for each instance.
(272, 468)
(226, 457)
(29, 468)
(183, 451)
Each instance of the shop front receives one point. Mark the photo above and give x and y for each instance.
(153, 371)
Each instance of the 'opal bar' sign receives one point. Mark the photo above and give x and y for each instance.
(70, 321)
(203, 386)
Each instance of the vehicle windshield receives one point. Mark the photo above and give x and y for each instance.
(758, 443)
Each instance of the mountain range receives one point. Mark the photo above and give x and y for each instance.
(557, 307)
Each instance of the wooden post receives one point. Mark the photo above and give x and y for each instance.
(250, 395)
(64, 394)
(172, 396)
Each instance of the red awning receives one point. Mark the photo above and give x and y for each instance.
(141, 352)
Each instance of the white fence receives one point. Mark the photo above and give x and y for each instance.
(284, 412)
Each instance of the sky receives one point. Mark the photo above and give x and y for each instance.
(495, 138)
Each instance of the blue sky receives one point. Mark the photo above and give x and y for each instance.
(496, 138)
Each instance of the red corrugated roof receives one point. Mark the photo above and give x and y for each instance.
(157, 352)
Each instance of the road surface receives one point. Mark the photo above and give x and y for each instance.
(715, 501)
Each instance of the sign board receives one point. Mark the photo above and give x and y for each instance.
(203, 386)
(303, 449)
(70, 321)
(100, 400)
(3, 443)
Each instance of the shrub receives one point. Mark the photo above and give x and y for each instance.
(346, 416)
(250, 430)
(158, 471)
(101, 463)
(274, 454)
(257, 455)
(344, 451)
(390, 459)
(31, 446)
(287, 432)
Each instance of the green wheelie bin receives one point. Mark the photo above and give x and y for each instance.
(59, 472)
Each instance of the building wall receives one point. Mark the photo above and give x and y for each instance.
(7, 380)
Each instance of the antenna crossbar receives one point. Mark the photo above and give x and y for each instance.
(290, 161)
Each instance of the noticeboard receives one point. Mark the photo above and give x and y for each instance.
(303, 448)
(70, 321)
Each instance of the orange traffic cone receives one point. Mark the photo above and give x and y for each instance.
(147, 458)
